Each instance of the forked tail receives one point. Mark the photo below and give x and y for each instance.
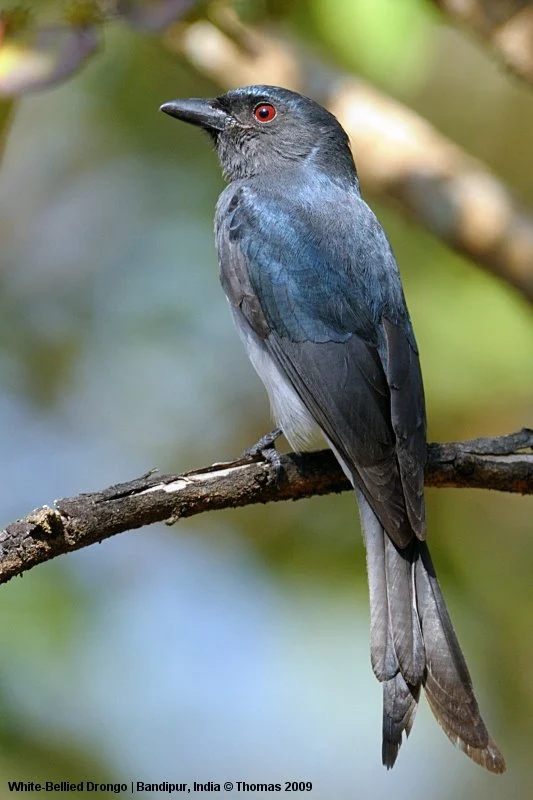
(413, 644)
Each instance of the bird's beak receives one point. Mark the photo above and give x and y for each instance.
(198, 111)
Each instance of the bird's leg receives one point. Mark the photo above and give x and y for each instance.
(266, 448)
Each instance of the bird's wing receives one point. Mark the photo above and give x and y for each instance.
(330, 311)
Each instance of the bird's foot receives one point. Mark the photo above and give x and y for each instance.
(265, 447)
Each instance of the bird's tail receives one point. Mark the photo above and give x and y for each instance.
(413, 644)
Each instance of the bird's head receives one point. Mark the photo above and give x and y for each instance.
(267, 130)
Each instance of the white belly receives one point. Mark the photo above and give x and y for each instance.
(288, 411)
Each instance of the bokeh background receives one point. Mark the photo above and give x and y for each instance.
(234, 646)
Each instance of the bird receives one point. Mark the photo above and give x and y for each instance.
(316, 295)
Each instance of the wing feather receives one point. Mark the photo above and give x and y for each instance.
(349, 354)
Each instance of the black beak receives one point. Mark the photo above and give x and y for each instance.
(204, 113)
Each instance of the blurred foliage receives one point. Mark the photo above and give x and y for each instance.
(385, 40)
(35, 56)
(6, 109)
(154, 16)
(237, 641)
(38, 55)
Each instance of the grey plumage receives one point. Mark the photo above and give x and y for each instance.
(315, 292)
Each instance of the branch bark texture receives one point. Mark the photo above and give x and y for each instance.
(506, 25)
(504, 464)
(399, 154)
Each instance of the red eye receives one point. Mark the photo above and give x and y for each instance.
(264, 112)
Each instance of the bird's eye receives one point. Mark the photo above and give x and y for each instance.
(264, 112)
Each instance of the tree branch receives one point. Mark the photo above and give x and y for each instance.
(504, 463)
(399, 154)
(507, 26)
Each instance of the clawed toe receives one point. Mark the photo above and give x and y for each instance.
(265, 447)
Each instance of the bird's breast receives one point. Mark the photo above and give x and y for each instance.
(288, 411)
